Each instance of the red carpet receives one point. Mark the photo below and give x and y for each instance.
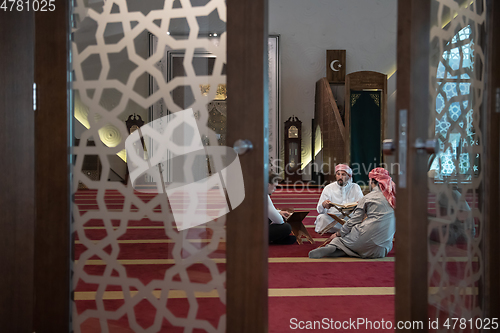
(319, 275)
(209, 310)
(286, 312)
(146, 240)
(151, 251)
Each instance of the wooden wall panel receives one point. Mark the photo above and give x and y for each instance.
(17, 170)
(335, 66)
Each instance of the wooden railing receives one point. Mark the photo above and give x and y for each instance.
(328, 117)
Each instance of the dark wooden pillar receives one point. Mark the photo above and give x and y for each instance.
(411, 211)
(247, 115)
(17, 171)
(52, 238)
(492, 165)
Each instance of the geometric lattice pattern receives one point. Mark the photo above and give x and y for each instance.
(122, 234)
(456, 222)
(453, 81)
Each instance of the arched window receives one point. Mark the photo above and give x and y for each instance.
(455, 106)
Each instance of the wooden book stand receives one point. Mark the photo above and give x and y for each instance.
(298, 228)
(331, 225)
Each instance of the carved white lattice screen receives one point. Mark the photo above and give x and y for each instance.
(456, 222)
(133, 270)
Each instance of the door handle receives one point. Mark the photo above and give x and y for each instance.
(242, 146)
(388, 147)
(431, 146)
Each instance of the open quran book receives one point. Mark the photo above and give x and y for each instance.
(346, 206)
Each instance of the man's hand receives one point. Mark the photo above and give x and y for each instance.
(327, 204)
(285, 214)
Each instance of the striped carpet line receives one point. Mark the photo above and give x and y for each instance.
(271, 260)
(217, 199)
(310, 226)
(312, 199)
(163, 227)
(276, 292)
(143, 227)
(168, 241)
(301, 206)
(208, 211)
(108, 205)
(278, 192)
(131, 210)
(155, 192)
(98, 262)
(312, 202)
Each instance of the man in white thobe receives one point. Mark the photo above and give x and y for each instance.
(341, 192)
(370, 231)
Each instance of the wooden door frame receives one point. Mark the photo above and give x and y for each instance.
(52, 236)
(413, 46)
(492, 156)
(17, 184)
(412, 87)
(362, 80)
(35, 238)
(247, 239)
(246, 252)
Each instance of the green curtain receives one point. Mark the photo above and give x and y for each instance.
(365, 133)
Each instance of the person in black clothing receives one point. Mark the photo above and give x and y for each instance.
(279, 231)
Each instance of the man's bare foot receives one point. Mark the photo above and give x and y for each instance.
(328, 240)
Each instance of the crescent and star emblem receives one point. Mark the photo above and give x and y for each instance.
(332, 65)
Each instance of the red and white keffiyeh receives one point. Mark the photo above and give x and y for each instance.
(385, 183)
(344, 167)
